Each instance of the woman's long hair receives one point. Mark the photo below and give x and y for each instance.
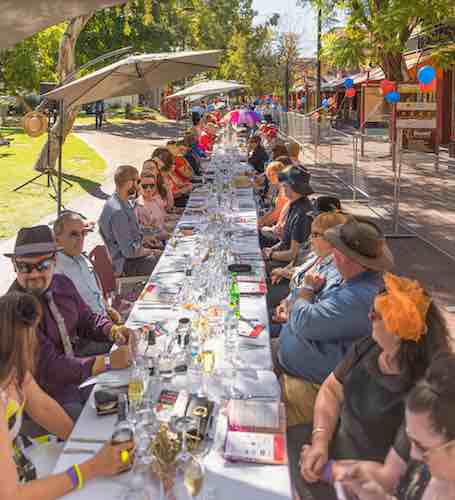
(20, 313)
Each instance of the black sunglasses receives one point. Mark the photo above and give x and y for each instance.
(148, 186)
(28, 267)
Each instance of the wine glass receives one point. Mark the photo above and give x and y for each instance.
(207, 360)
(183, 425)
(136, 389)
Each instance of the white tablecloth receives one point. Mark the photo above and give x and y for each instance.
(240, 481)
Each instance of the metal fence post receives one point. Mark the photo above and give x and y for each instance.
(354, 167)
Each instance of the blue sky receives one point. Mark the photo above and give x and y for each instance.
(302, 21)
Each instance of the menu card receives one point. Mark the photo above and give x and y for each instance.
(256, 432)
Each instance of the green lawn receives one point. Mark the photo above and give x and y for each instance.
(83, 167)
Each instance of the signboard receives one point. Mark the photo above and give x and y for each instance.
(416, 116)
(376, 109)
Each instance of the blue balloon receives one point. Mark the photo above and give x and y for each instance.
(348, 83)
(393, 97)
(426, 75)
(325, 103)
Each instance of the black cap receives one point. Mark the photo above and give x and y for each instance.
(298, 178)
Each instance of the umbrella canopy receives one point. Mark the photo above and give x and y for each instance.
(134, 75)
(20, 19)
(211, 87)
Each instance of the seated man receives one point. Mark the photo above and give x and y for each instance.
(297, 224)
(68, 327)
(69, 232)
(320, 330)
(120, 228)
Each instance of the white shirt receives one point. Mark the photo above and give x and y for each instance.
(77, 269)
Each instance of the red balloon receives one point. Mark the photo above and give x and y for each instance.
(428, 87)
(387, 86)
(351, 92)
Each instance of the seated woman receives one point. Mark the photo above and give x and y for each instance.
(20, 313)
(207, 137)
(257, 155)
(151, 206)
(191, 156)
(276, 197)
(286, 282)
(180, 175)
(294, 152)
(165, 165)
(420, 465)
(360, 406)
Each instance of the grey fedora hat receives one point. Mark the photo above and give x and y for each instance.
(298, 178)
(31, 241)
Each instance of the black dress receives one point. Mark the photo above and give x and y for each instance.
(370, 418)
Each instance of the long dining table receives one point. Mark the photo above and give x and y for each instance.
(225, 479)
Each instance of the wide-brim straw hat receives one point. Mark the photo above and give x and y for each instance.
(35, 123)
(362, 241)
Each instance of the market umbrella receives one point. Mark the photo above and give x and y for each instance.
(134, 75)
(20, 19)
(210, 87)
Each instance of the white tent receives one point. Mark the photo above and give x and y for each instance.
(134, 75)
(20, 19)
(210, 87)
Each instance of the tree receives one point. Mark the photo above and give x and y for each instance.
(376, 31)
(30, 62)
(288, 56)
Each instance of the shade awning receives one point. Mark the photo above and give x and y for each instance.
(135, 75)
(20, 19)
(211, 87)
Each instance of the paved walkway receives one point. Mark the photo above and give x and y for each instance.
(118, 144)
(427, 207)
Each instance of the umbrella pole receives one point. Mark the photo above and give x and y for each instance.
(60, 157)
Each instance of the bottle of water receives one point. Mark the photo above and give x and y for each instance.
(234, 295)
(231, 330)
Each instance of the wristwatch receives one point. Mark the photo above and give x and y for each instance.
(107, 362)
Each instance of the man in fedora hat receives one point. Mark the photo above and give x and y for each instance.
(297, 227)
(322, 327)
(68, 327)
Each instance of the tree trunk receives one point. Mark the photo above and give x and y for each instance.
(394, 67)
(66, 65)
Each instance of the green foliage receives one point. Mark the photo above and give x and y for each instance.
(31, 61)
(376, 31)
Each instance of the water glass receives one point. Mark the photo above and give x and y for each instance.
(166, 366)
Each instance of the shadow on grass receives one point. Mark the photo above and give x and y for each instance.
(91, 187)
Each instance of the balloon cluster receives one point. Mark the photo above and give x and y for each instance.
(349, 85)
(427, 79)
(389, 91)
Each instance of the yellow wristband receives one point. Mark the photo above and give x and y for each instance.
(124, 456)
(80, 479)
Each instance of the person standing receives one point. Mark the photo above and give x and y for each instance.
(99, 114)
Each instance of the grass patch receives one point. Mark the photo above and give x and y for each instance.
(83, 167)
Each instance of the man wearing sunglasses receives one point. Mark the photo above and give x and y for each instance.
(73, 341)
(121, 231)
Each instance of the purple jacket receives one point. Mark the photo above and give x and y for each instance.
(58, 375)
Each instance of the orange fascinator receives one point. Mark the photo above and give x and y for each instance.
(403, 307)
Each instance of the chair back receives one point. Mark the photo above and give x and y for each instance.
(102, 264)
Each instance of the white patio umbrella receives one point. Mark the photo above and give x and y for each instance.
(20, 19)
(210, 87)
(134, 75)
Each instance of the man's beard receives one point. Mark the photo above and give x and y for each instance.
(36, 286)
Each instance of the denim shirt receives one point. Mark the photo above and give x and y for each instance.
(326, 267)
(318, 334)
